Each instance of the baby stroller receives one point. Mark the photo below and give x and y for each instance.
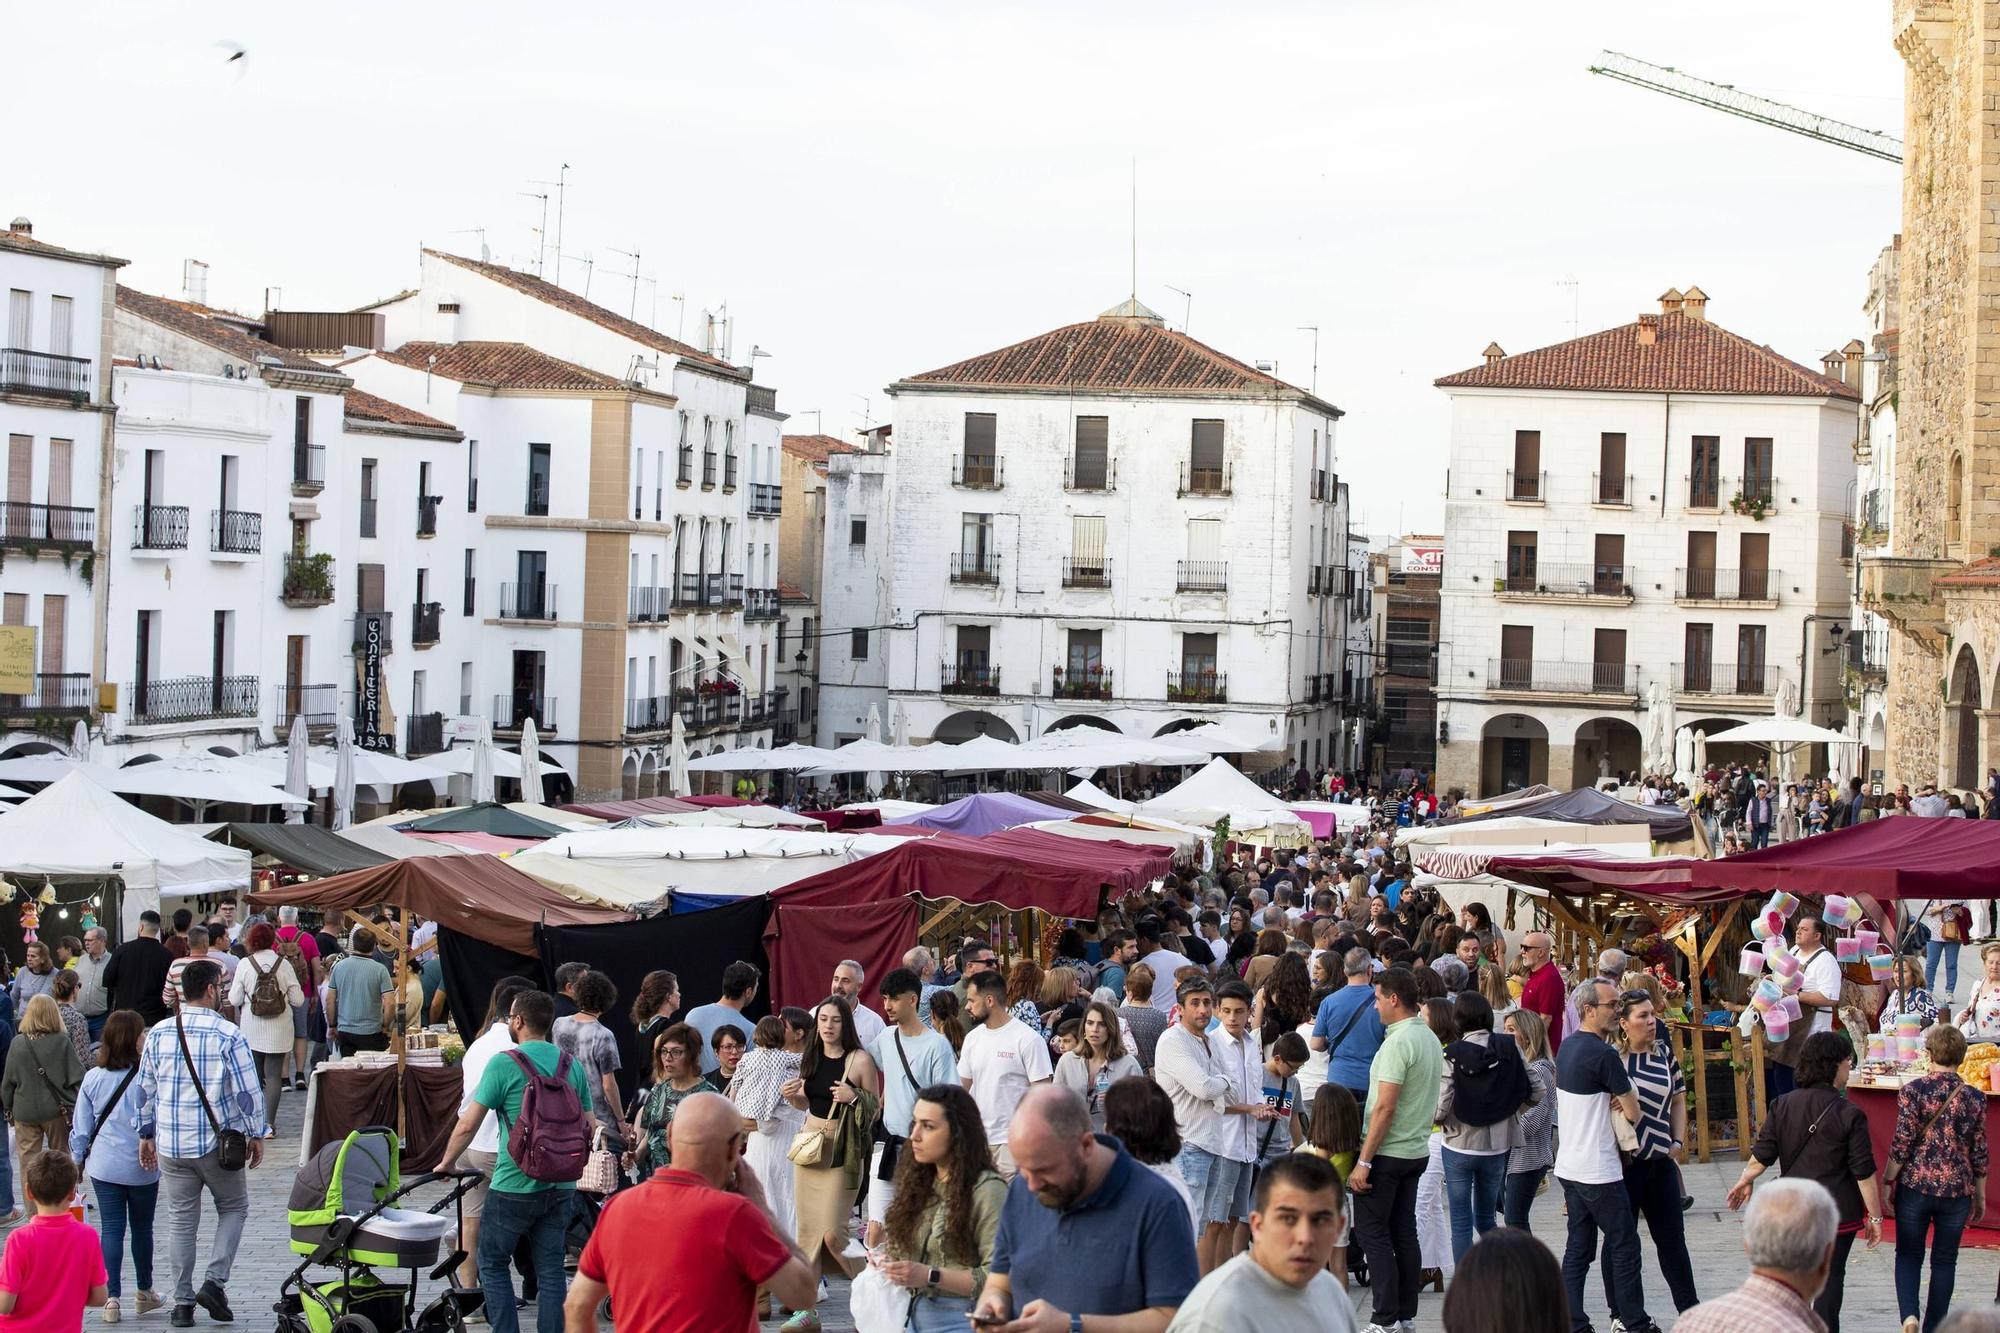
(343, 1217)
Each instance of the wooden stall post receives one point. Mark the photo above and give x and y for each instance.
(401, 983)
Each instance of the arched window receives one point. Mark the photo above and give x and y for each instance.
(1954, 502)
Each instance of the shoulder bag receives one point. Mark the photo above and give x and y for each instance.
(1894, 1169)
(232, 1146)
(892, 1146)
(105, 1114)
(818, 1144)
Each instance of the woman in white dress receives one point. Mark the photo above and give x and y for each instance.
(771, 1121)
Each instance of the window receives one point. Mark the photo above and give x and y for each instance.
(1698, 651)
(1525, 481)
(464, 689)
(472, 476)
(981, 451)
(638, 483)
(1608, 572)
(61, 475)
(1750, 673)
(1198, 656)
(20, 309)
(470, 582)
(1705, 473)
(857, 644)
(1607, 660)
(538, 480)
(1954, 502)
(1517, 656)
(1758, 482)
(1086, 654)
(1205, 459)
(1090, 469)
(302, 408)
(1753, 566)
(55, 614)
(61, 309)
(20, 476)
(975, 651)
(1611, 479)
(1086, 549)
(1408, 629)
(368, 497)
(685, 468)
(857, 532)
(1522, 554)
(1699, 580)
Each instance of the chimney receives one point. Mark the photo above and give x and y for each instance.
(445, 328)
(21, 227)
(1834, 366)
(1649, 330)
(1670, 301)
(1493, 352)
(1853, 353)
(1694, 303)
(194, 281)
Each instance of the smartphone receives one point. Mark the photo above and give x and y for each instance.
(987, 1320)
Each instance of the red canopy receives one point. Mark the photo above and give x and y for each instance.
(1668, 879)
(805, 944)
(641, 805)
(1018, 869)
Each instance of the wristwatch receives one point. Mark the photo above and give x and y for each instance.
(1076, 1323)
(936, 1277)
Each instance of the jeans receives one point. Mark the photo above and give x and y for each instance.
(1472, 1185)
(182, 1179)
(542, 1219)
(1916, 1214)
(117, 1205)
(1947, 950)
(1521, 1187)
(1653, 1184)
(271, 1072)
(1760, 836)
(1385, 1226)
(94, 1023)
(941, 1314)
(1827, 1304)
(1605, 1208)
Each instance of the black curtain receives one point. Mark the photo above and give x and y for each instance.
(472, 968)
(695, 947)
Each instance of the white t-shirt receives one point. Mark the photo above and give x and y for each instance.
(471, 1066)
(998, 1064)
(1823, 975)
(1588, 1075)
(1165, 962)
(1240, 1295)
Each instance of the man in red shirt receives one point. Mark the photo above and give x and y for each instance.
(1543, 991)
(688, 1249)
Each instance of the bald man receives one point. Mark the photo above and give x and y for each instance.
(1543, 990)
(690, 1247)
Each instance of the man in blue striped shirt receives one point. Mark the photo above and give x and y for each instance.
(175, 1132)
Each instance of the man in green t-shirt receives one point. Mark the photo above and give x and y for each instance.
(1403, 1083)
(518, 1206)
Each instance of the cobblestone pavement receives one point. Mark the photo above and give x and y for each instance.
(1714, 1237)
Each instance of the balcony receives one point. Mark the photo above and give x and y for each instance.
(648, 603)
(1704, 492)
(1903, 589)
(1197, 687)
(1509, 675)
(1312, 581)
(968, 677)
(511, 710)
(761, 604)
(761, 706)
(1323, 484)
(385, 631)
(1754, 490)
(766, 500)
(975, 567)
(1203, 481)
(193, 698)
(235, 531)
(159, 527)
(1725, 679)
(1095, 573)
(528, 601)
(1565, 582)
(688, 591)
(426, 623)
(1090, 474)
(1757, 587)
(59, 527)
(423, 733)
(711, 589)
(1201, 576)
(1085, 683)
(1527, 488)
(1312, 690)
(736, 590)
(654, 713)
(56, 694)
(308, 469)
(979, 472)
(319, 705)
(45, 375)
(427, 514)
(1868, 653)
(308, 580)
(1611, 490)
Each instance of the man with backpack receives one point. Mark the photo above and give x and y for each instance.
(1486, 1083)
(542, 1099)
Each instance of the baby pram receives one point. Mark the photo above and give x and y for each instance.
(343, 1217)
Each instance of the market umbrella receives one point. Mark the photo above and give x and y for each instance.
(79, 741)
(874, 734)
(531, 762)
(296, 781)
(678, 783)
(482, 764)
(343, 773)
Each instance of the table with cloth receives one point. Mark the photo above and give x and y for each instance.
(1877, 1101)
(343, 1098)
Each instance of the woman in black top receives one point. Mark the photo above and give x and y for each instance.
(1815, 1133)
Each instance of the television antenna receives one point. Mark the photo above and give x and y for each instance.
(632, 255)
(541, 232)
(485, 255)
(1187, 306)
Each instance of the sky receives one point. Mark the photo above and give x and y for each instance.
(877, 189)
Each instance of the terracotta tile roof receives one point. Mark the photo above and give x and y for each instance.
(1688, 355)
(499, 365)
(1981, 573)
(362, 406)
(1117, 352)
(792, 592)
(816, 448)
(199, 323)
(26, 244)
(566, 300)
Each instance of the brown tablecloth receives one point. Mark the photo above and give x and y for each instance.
(345, 1100)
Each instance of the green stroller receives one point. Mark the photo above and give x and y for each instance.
(343, 1217)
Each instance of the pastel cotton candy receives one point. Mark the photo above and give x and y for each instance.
(1837, 911)
(1784, 904)
(1777, 1025)
(1752, 962)
(1847, 949)
(1882, 966)
(1867, 940)
(1785, 963)
(1760, 927)
(1789, 1006)
(1878, 1046)
(1795, 982)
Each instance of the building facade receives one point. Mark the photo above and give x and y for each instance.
(1107, 525)
(1867, 675)
(1650, 515)
(1406, 578)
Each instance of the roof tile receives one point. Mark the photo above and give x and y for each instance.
(191, 320)
(816, 448)
(498, 365)
(363, 406)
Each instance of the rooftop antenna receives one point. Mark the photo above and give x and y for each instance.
(814, 413)
(1187, 307)
(560, 183)
(485, 255)
(680, 316)
(867, 412)
(1574, 303)
(541, 232)
(632, 255)
(1135, 229)
(1314, 330)
(588, 265)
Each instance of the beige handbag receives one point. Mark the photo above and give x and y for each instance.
(600, 1169)
(815, 1145)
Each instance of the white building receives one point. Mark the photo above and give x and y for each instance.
(801, 560)
(55, 413)
(1106, 525)
(1656, 505)
(1357, 681)
(1868, 638)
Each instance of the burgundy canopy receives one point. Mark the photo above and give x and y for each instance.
(1580, 874)
(632, 809)
(1018, 869)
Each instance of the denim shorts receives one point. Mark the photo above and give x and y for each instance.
(1220, 1187)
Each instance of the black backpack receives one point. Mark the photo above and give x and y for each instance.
(1489, 1082)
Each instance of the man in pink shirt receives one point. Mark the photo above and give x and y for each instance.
(1543, 992)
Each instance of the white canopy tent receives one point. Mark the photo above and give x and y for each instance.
(77, 827)
(197, 779)
(731, 816)
(1137, 829)
(1218, 791)
(735, 862)
(1780, 731)
(1346, 814)
(506, 764)
(1091, 794)
(780, 759)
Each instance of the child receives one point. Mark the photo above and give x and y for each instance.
(1067, 1033)
(1334, 1133)
(54, 1266)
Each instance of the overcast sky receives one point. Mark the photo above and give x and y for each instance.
(877, 189)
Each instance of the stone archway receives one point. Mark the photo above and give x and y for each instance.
(1604, 748)
(1083, 720)
(1513, 753)
(629, 779)
(1964, 701)
(649, 775)
(971, 722)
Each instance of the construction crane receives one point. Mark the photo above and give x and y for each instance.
(1722, 97)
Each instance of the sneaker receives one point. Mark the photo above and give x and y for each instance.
(805, 1321)
(215, 1300)
(109, 1314)
(298, 1083)
(1618, 1325)
(1383, 1328)
(149, 1301)
(182, 1317)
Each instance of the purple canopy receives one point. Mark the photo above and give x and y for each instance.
(974, 816)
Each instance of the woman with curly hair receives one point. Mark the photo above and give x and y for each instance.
(659, 999)
(1024, 993)
(1285, 1000)
(941, 1227)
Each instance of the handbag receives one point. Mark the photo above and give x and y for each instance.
(600, 1170)
(817, 1143)
(232, 1146)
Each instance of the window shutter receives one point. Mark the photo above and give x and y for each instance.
(55, 612)
(59, 325)
(20, 467)
(1086, 544)
(1204, 539)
